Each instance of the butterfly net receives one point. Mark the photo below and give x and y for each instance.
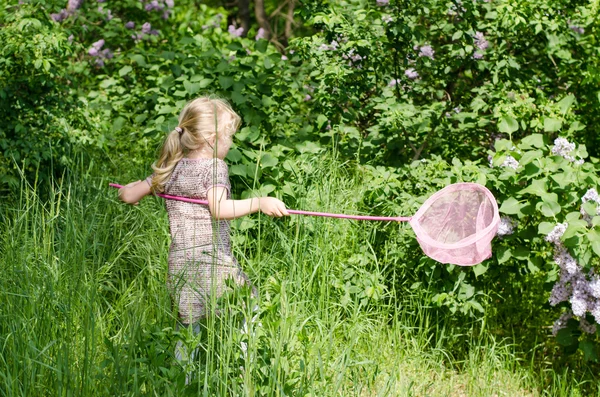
(457, 224)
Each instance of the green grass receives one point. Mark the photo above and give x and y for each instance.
(84, 310)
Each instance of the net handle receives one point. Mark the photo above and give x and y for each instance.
(294, 212)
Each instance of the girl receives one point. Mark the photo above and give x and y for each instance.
(191, 165)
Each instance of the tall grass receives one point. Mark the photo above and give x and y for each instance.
(84, 310)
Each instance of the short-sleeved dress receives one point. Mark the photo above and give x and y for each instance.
(200, 257)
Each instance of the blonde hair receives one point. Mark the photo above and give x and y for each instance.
(206, 124)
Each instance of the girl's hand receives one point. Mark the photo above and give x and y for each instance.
(272, 207)
(133, 192)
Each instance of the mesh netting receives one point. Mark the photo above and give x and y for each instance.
(457, 224)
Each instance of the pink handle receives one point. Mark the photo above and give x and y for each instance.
(295, 212)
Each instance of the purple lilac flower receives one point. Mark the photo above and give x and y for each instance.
(100, 1)
(60, 16)
(73, 5)
(93, 52)
(383, 2)
(561, 322)
(477, 55)
(307, 98)
(387, 19)
(596, 312)
(394, 82)
(411, 73)
(146, 28)
(70, 39)
(284, 58)
(130, 25)
(576, 29)
(560, 293)
(235, 32)
(506, 227)
(109, 15)
(594, 287)
(510, 162)
(480, 41)
(261, 34)
(590, 195)
(166, 14)
(426, 51)
(556, 233)
(107, 54)
(170, 3)
(563, 148)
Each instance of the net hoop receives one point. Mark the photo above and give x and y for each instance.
(422, 234)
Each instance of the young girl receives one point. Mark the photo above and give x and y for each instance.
(191, 165)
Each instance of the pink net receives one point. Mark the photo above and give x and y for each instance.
(457, 224)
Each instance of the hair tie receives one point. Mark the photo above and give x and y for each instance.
(179, 129)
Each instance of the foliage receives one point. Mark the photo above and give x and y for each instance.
(43, 121)
(402, 80)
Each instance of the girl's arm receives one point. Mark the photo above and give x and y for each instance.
(133, 192)
(223, 208)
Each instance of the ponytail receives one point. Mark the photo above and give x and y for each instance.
(171, 153)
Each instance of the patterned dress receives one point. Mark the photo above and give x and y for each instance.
(200, 258)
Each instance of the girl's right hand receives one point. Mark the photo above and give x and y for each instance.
(272, 207)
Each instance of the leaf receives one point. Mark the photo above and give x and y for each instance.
(511, 206)
(565, 103)
(508, 125)
(479, 269)
(225, 81)
(234, 155)
(552, 125)
(521, 253)
(533, 264)
(457, 35)
(139, 59)
(590, 207)
(565, 337)
(537, 187)
(535, 140)
(191, 88)
(590, 353)
(550, 208)
(545, 228)
(125, 70)
(596, 247)
(268, 161)
(503, 254)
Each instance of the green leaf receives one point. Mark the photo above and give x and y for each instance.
(533, 140)
(225, 81)
(533, 264)
(596, 247)
(536, 187)
(503, 254)
(238, 169)
(457, 35)
(550, 208)
(268, 63)
(545, 228)
(521, 253)
(139, 59)
(590, 208)
(552, 125)
(125, 70)
(234, 155)
(508, 125)
(565, 103)
(511, 206)
(479, 269)
(565, 337)
(191, 88)
(268, 161)
(590, 352)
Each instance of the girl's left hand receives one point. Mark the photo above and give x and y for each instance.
(272, 207)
